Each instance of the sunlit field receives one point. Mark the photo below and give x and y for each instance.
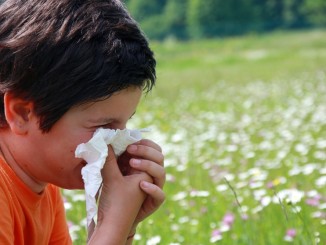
(242, 122)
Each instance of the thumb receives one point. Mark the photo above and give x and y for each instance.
(110, 169)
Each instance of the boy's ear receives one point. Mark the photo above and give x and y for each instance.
(18, 113)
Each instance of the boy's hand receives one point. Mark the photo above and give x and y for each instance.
(116, 213)
(147, 157)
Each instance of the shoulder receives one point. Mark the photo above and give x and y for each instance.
(6, 188)
(53, 188)
(54, 192)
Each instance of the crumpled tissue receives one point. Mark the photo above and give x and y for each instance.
(94, 152)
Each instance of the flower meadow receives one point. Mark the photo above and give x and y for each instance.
(242, 122)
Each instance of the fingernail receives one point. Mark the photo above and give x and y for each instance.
(145, 184)
(132, 148)
(135, 162)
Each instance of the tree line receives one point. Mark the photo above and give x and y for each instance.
(194, 19)
(188, 19)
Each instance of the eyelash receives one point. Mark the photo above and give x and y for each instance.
(108, 125)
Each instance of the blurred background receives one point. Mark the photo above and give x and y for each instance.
(188, 19)
(240, 111)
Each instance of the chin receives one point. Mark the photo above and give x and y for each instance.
(75, 186)
(73, 183)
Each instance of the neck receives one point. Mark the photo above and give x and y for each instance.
(9, 158)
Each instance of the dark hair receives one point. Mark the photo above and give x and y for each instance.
(62, 53)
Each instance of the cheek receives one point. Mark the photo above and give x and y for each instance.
(72, 144)
(63, 147)
(76, 140)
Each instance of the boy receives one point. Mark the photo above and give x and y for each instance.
(68, 67)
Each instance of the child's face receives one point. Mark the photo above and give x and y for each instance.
(52, 155)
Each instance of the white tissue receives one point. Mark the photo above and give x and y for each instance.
(94, 152)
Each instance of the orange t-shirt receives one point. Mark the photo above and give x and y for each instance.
(27, 217)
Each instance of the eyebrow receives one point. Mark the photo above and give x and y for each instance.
(106, 120)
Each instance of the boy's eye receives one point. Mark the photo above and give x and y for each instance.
(108, 125)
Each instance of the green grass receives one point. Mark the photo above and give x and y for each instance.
(251, 110)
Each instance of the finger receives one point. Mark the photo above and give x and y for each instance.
(155, 170)
(123, 163)
(149, 143)
(157, 195)
(146, 152)
(110, 168)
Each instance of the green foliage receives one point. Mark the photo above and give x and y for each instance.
(316, 12)
(203, 17)
(272, 13)
(175, 18)
(293, 14)
(217, 17)
(143, 9)
(185, 19)
(155, 27)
